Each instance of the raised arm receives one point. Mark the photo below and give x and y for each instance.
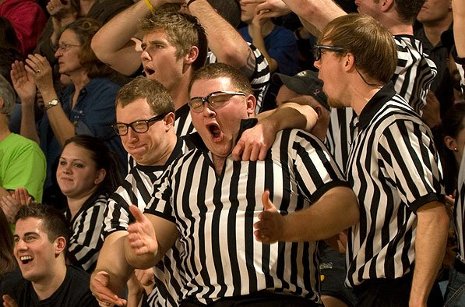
(223, 39)
(148, 240)
(112, 44)
(320, 221)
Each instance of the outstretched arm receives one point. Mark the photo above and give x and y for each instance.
(320, 221)
(149, 237)
(255, 142)
(108, 281)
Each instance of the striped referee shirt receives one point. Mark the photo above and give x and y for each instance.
(215, 215)
(394, 169)
(87, 227)
(137, 189)
(459, 212)
(412, 79)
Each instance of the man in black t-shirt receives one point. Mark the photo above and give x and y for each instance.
(43, 278)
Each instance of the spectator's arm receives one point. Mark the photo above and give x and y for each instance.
(430, 247)
(458, 11)
(223, 39)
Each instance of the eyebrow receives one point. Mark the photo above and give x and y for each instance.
(26, 234)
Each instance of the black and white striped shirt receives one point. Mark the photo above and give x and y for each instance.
(412, 79)
(459, 212)
(87, 227)
(215, 215)
(394, 169)
(137, 189)
(460, 63)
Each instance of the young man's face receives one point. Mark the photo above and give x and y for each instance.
(247, 12)
(219, 127)
(150, 147)
(159, 60)
(33, 250)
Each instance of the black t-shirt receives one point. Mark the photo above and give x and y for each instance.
(74, 291)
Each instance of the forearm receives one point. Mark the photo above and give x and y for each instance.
(28, 123)
(323, 219)
(259, 42)
(317, 13)
(458, 10)
(290, 116)
(112, 43)
(112, 261)
(430, 246)
(225, 42)
(62, 127)
(143, 261)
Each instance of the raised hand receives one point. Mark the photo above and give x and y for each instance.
(141, 235)
(269, 228)
(23, 82)
(273, 8)
(99, 285)
(254, 143)
(22, 196)
(39, 68)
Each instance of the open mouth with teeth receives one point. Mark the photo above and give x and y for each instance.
(25, 259)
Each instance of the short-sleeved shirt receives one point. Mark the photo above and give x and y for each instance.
(87, 232)
(412, 80)
(73, 292)
(215, 213)
(22, 164)
(394, 169)
(137, 189)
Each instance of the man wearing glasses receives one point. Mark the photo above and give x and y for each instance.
(395, 251)
(209, 202)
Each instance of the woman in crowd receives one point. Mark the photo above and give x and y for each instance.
(84, 106)
(87, 173)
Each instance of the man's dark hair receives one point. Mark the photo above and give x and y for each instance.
(54, 222)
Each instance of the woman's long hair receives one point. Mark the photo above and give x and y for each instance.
(7, 260)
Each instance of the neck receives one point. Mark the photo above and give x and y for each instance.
(179, 94)
(45, 288)
(434, 30)
(218, 163)
(75, 203)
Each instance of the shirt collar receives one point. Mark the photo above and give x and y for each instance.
(376, 103)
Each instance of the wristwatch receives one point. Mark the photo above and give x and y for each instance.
(52, 103)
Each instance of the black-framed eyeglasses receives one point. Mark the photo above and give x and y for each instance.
(138, 126)
(215, 100)
(317, 50)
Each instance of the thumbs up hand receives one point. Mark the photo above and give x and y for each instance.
(269, 228)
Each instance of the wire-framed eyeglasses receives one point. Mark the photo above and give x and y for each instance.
(65, 47)
(215, 100)
(138, 126)
(317, 50)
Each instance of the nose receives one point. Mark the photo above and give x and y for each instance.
(132, 135)
(145, 56)
(317, 64)
(20, 245)
(207, 110)
(58, 53)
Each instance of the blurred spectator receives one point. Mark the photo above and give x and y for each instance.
(28, 20)
(86, 105)
(22, 163)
